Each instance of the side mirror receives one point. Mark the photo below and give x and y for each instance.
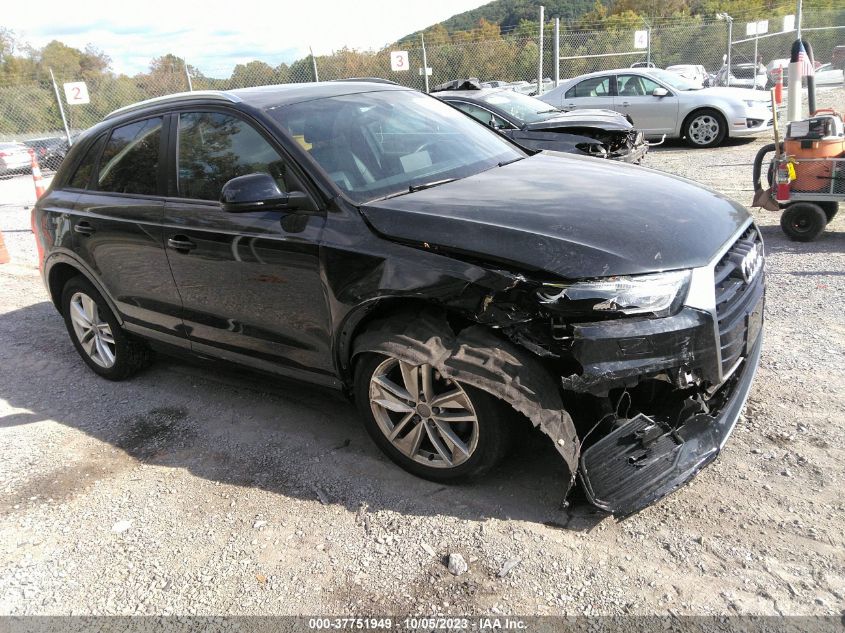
(660, 92)
(259, 192)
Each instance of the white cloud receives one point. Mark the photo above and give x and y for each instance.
(215, 35)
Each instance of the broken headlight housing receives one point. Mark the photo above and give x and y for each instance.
(658, 294)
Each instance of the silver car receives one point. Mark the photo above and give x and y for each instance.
(660, 102)
(14, 158)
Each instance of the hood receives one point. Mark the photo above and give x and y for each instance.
(568, 216)
(744, 94)
(603, 119)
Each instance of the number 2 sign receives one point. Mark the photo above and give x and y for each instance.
(76, 93)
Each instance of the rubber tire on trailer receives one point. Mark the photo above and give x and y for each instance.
(495, 429)
(830, 209)
(720, 136)
(803, 221)
(131, 355)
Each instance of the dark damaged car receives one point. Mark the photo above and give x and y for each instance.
(536, 125)
(372, 239)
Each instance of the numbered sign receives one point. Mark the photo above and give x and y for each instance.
(76, 93)
(399, 60)
(641, 39)
(788, 23)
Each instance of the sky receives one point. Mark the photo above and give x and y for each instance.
(214, 35)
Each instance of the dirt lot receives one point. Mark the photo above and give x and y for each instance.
(196, 490)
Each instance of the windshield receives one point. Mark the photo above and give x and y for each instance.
(526, 109)
(378, 144)
(675, 81)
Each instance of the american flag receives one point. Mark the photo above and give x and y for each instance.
(806, 65)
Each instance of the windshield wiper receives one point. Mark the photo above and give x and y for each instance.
(508, 162)
(429, 185)
(549, 111)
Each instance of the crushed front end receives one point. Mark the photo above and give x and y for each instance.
(655, 393)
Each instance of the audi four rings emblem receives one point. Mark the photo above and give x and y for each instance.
(751, 263)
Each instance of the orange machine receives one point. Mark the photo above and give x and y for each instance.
(820, 136)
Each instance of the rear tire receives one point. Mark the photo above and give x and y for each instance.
(705, 128)
(96, 333)
(803, 221)
(485, 435)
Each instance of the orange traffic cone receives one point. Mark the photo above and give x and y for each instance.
(779, 87)
(4, 254)
(36, 175)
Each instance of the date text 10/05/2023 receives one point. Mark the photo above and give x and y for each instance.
(417, 624)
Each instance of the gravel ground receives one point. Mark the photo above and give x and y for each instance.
(206, 490)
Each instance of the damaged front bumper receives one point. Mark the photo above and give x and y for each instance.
(645, 458)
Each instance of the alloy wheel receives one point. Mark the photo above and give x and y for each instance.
(428, 418)
(93, 332)
(704, 129)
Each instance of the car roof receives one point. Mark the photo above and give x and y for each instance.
(263, 97)
(469, 94)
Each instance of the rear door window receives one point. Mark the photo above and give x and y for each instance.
(130, 159)
(592, 87)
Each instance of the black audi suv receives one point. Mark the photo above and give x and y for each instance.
(372, 239)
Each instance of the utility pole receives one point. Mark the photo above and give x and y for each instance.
(314, 64)
(425, 61)
(730, 21)
(61, 108)
(188, 75)
(557, 51)
(648, 42)
(798, 14)
(540, 67)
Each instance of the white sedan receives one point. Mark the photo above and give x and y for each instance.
(660, 102)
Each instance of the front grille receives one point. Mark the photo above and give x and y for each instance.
(737, 297)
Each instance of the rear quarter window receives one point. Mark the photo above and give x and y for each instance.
(82, 176)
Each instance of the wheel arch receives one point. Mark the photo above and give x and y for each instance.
(359, 319)
(63, 268)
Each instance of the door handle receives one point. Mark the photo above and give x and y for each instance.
(83, 228)
(625, 104)
(181, 243)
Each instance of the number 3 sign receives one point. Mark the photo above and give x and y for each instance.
(76, 93)
(399, 60)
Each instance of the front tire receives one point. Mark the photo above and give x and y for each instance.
(803, 221)
(433, 427)
(97, 335)
(705, 128)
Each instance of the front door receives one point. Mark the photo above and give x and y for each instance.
(117, 229)
(250, 282)
(650, 114)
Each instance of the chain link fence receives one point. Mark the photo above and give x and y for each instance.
(29, 107)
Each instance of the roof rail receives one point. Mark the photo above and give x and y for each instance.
(176, 98)
(374, 80)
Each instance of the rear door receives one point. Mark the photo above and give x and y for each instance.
(652, 115)
(250, 282)
(117, 227)
(593, 92)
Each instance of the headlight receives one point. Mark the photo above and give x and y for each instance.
(658, 294)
